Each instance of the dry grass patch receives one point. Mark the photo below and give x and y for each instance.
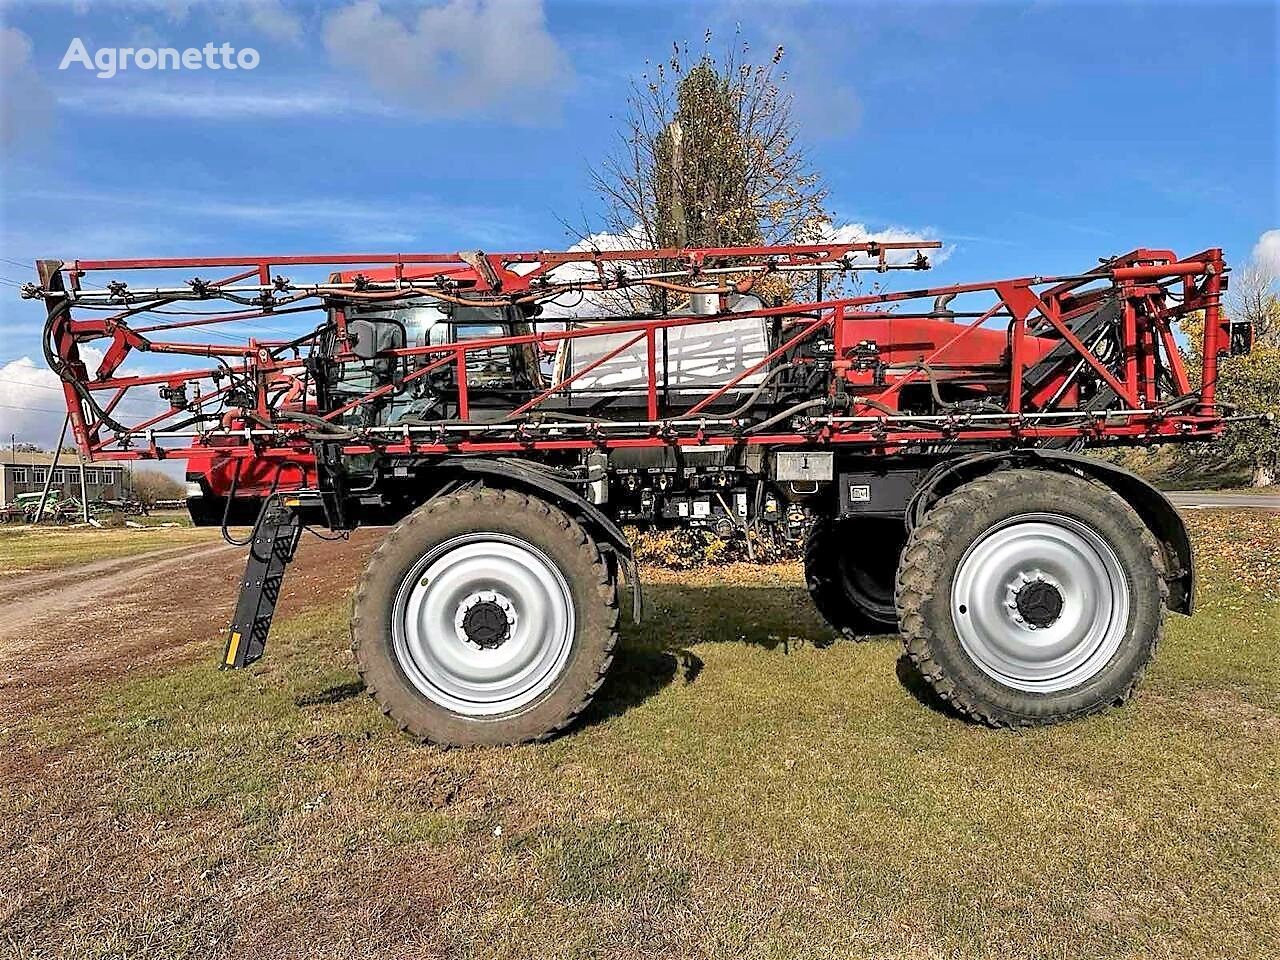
(743, 787)
(29, 549)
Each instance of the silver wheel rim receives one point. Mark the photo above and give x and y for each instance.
(1004, 625)
(509, 668)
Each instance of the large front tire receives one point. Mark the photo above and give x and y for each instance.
(486, 617)
(1030, 597)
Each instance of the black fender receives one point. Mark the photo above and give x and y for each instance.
(599, 524)
(1155, 509)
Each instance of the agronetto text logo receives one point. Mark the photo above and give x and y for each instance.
(108, 61)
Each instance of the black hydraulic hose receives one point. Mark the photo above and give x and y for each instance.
(1182, 402)
(877, 405)
(331, 431)
(226, 511)
(57, 366)
(548, 469)
(932, 376)
(326, 427)
(755, 394)
(888, 411)
(298, 341)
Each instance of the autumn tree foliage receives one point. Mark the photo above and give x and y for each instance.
(708, 156)
(152, 485)
(1251, 382)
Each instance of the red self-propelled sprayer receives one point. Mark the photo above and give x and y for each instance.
(510, 412)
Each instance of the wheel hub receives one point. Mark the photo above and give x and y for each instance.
(1040, 602)
(1035, 600)
(483, 624)
(486, 620)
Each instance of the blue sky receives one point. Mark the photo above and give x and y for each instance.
(1031, 137)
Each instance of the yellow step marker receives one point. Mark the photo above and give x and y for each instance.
(233, 648)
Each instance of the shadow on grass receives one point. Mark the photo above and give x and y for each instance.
(654, 654)
(637, 674)
(914, 683)
(767, 616)
(330, 695)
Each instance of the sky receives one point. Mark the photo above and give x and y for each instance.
(1029, 137)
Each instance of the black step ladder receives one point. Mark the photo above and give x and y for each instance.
(275, 539)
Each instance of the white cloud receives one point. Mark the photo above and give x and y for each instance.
(16, 49)
(598, 304)
(400, 221)
(176, 11)
(1266, 253)
(271, 18)
(845, 233)
(206, 104)
(633, 240)
(859, 233)
(31, 400)
(268, 17)
(462, 58)
(26, 105)
(588, 303)
(32, 406)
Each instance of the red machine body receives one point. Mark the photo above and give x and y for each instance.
(247, 419)
(512, 411)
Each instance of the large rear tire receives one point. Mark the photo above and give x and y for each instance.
(849, 568)
(486, 617)
(1030, 597)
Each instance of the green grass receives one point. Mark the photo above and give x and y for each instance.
(1176, 467)
(27, 549)
(743, 787)
(1234, 479)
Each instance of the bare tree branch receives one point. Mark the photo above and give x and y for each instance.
(707, 156)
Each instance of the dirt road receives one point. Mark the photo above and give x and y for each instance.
(66, 629)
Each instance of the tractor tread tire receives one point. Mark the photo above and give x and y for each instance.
(839, 611)
(927, 568)
(479, 509)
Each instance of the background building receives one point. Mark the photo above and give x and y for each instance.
(26, 473)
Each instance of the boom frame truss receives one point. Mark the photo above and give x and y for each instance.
(1155, 288)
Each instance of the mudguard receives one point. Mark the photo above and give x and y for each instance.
(600, 525)
(1155, 509)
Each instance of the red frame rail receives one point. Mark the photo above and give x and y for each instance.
(1155, 289)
